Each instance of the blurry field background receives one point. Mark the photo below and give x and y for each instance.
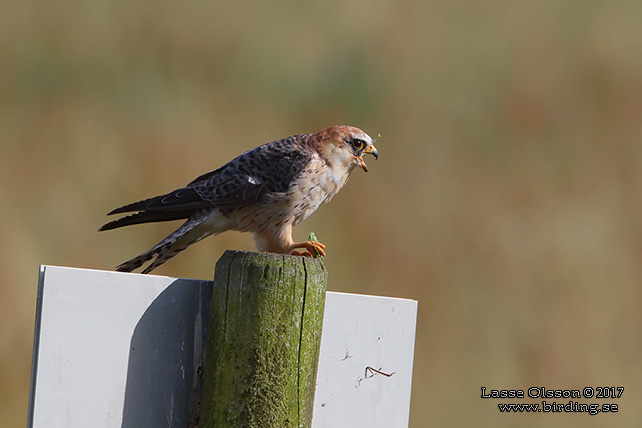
(507, 198)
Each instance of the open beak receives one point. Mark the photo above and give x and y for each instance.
(371, 149)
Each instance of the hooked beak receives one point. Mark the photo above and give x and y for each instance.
(371, 149)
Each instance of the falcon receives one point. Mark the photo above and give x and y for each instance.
(265, 191)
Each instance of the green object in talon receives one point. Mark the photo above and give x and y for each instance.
(313, 238)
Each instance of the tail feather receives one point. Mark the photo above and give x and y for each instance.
(136, 262)
(176, 242)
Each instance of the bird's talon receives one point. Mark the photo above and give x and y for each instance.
(312, 249)
(302, 253)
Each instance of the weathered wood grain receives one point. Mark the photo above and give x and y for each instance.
(263, 344)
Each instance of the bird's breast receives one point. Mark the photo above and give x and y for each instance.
(317, 185)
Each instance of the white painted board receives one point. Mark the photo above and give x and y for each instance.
(358, 332)
(111, 351)
(121, 350)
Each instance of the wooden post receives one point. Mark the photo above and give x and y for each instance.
(263, 341)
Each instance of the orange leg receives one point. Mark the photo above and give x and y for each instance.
(312, 249)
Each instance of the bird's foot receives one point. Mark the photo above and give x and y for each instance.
(312, 249)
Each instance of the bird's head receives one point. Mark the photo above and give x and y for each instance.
(347, 145)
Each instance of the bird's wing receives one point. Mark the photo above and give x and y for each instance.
(269, 168)
(243, 181)
(183, 200)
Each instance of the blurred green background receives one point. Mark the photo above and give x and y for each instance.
(507, 198)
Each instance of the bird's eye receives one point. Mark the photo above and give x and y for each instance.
(357, 144)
